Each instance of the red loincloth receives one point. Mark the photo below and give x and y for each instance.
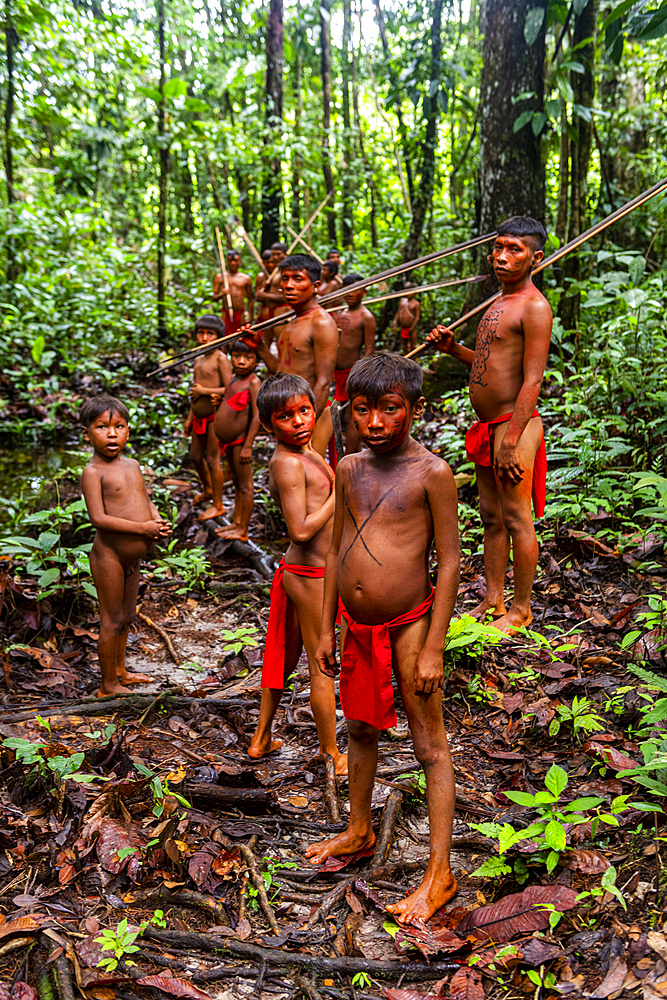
(230, 444)
(200, 425)
(405, 333)
(273, 666)
(341, 376)
(233, 322)
(366, 692)
(479, 444)
(239, 400)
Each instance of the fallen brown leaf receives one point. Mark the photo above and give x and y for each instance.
(517, 913)
(466, 984)
(613, 981)
(175, 987)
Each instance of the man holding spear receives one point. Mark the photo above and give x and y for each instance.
(237, 289)
(507, 442)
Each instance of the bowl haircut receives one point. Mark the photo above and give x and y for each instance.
(352, 279)
(331, 266)
(526, 228)
(210, 322)
(277, 390)
(97, 405)
(240, 347)
(302, 262)
(380, 373)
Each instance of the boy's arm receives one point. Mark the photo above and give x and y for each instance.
(325, 349)
(325, 656)
(290, 479)
(91, 486)
(250, 295)
(187, 426)
(537, 323)
(418, 312)
(246, 450)
(370, 327)
(218, 287)
(225, 369)
(443, 501)
(443, 338)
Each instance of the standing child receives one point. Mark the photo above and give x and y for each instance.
(394, 490)
(212, 372)
(236, 424)
(407, 317)
(357, 326)
(300, 482)
(127, 523)
(238, 288)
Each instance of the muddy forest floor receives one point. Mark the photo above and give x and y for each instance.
(180, 837)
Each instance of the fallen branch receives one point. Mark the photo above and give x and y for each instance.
(184, 897)
(223, 793)
(256, 875)
(129, 702)
(383, 844)
(278, 956)
(163, 635)
(335, 895)
(330, 790)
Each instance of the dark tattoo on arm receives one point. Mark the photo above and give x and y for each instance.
(359, 530)
(485, 334)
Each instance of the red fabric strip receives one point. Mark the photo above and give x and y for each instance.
(341, 376)
(273, 665)
(235, 322)
(479, 440)
(239, 400)
(200, 424)
(229, 444)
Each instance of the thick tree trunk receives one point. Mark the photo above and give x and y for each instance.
(325, 42)
(347, 227)
(162, 207)
(10, 42)
(297, 159)
(370, 180)
(187, 191)
(563, 177)
(395, 86)
(583, 86)
(275, 61)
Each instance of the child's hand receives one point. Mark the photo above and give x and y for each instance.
(216, 399)
(195, 391)
(325, 657)
(164, 526)
(429, 672)
(187, 427)
(442, 337)
(246, 455)
(152, 528)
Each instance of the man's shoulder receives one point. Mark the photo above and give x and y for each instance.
(323, 322)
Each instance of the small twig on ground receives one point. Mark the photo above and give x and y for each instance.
(185, 897)
(391, 809)
(163, 635)
(336, 894)
(330, 791)
(307, 987)
(243, 903)
(22, 942)
(256, 875)
(224, 793)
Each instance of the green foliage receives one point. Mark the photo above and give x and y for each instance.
(190, 565)
(468, 636)
(581, 714)
(652, 774)
(120, 942)
(236, 639)
(57, 768)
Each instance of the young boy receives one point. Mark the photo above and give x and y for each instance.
(212, 372)
(127, 523)
(331, 281)
(301, 483)
(507, 442)
(236, 424)
(308, 344)
(407, 317)
(393, 502)
(239, 287)
(356, 325)
(271, 296)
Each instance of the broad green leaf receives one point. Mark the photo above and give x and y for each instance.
(522, 120)
(555, 835)
(532, 24)
(539, 121)
(556, 779)
(48, 577)
(175, 88)
(37, 349)
(521, 798)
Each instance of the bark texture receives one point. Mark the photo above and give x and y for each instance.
(325, 44)
(164, 164)
(273, 110)
(346, 222)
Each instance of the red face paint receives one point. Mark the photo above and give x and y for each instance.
(293, 423)
(384, 425)
(511, 257)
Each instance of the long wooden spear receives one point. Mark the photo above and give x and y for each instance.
(251, 247)
(574, 244)
(304, 244)
(228, 296)
(303, 232)
(421, 288)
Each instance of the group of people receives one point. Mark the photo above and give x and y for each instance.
(360, 538)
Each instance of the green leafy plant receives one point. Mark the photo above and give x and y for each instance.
(59, 767)
(467, 635)
(652, 774)
(581, 714)
(121, 943)
(190, 565)
(269, 868)
(361, 980)
(607, 884)
(158, 919)
(236, 639)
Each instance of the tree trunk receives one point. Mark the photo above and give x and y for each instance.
(395, 86)
(297, 159)
(325, 41)
(563, 176)
(347, 227)
(370, 180)
(10, 44)
(162, 208)
(583, 86)
(275, 61)
(187, 191)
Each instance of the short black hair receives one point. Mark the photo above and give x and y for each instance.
(279, 246)
(302, 262)
(379, 373)
(333, 250)
(524, 227)
(240, 347)
(266, 254)
(233, 253)
(210, 322)
(97, 405)
(332, 265)
(352, 279)
(277, 390)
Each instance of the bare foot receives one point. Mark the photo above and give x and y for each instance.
(260, 748)
(340, 764)
(237, 534)
(348, 842)
(114, 688)
(200, 497)
(224, 531)
(512, 621)
(128, 678)
(497, 608)
(436, 890)
(213, 511)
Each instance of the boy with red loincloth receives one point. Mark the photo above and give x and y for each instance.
(127, 524)
(239, 288)
(393, 502)
(301, 484)
(308, 344)
(407, 318)
(212, 372)
(356, 325)
(235, 425)
(507, 443)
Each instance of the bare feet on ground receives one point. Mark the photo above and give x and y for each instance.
(224, 531)
(340, 764)
(260, 747)
(236, 534)
(512, 621)
(128, 678)
(200, 497)
(348, 842)
(436, 890)
(117, 688)
(497, 609)
(211, 512)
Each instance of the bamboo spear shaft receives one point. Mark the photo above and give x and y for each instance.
(422, 288)
(574, 244)
(330, 297)
(252, 248)
(303, 231)
(304, 244)
(224, 276)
